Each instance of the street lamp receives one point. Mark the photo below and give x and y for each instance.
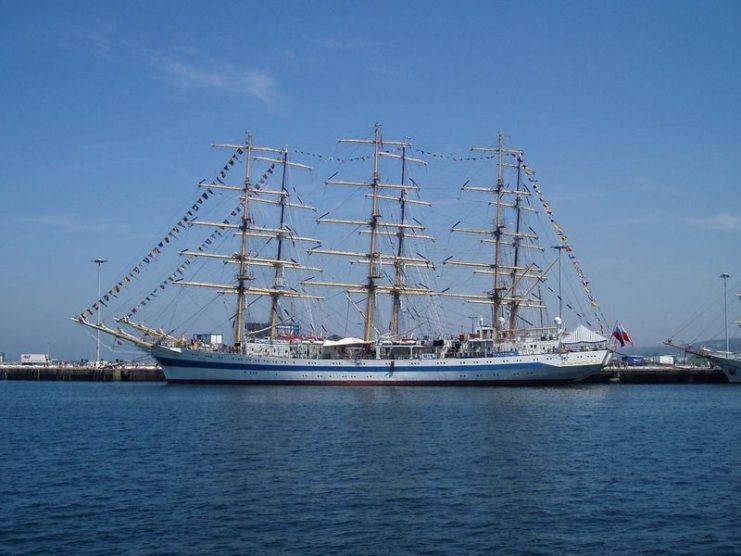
(99, 262)
(725, 276)
(560, 297)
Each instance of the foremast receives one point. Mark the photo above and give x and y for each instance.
(242, 277)
(373, 268)
(251, 193)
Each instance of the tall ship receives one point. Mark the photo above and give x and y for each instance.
(407, 327)
(726, 360)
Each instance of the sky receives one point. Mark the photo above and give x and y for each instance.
(629, 112)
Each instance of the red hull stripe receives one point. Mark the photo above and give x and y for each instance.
(378, 382)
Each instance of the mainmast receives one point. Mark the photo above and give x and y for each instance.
(498, 242)
(398, 264)
(376, 227)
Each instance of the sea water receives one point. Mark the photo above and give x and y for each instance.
(119, 468)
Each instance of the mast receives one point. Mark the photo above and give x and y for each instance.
(373, 273)
(245, 230)
(242, 278)
(518, 199)
(498, 241)
(376, 227)
(498, 231)
(398, 264)
(279, 281)
(504, 294)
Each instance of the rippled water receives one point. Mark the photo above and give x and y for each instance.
(101, 468)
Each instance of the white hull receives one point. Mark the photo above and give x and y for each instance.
(192, 366)
(731, 366)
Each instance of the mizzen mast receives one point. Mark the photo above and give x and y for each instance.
(503, 294)
(514, 303)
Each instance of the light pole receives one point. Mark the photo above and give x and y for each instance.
(725, 276)
(99, 262)
(560, 297)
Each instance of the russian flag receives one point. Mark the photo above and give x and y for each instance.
(621, 335)
(626, 336)
(618, 335)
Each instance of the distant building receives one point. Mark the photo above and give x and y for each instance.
(667, 360)
(35, 359)
(634, 360)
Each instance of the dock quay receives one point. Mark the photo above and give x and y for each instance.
(658, 374)
(91, 373)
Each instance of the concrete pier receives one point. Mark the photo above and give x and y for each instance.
(658, 375)
(118, 373)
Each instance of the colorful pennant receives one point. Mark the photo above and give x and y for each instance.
(182, 224)
(184, 265)
(565, 242)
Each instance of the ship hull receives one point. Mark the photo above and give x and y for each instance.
(183, 366)
(731, 367)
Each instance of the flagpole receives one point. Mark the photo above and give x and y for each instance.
(612, 334)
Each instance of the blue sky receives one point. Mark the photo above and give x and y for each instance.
(628, 110)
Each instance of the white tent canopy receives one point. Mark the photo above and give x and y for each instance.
(582, 335)
(345, 342)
